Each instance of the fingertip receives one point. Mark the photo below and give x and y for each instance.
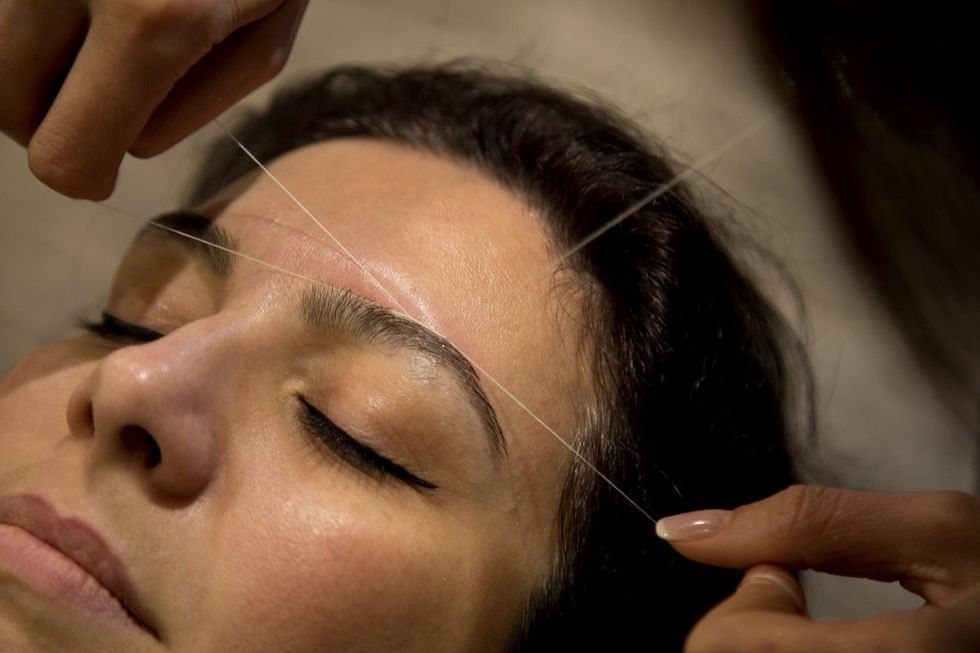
(62, 171)
(775, 577)
(690, 526)
(150, 144)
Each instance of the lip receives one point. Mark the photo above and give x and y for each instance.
(68, 561)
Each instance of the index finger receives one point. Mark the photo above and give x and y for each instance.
(929, 540)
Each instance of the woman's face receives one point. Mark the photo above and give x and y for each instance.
(290, 466)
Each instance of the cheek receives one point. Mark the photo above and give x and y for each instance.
(33, 400)
(311, 579)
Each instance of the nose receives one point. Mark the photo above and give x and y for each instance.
(154, 411)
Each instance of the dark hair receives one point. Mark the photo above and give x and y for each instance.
(881, 93)
(690, 369)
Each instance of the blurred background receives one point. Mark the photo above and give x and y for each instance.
(689, 72)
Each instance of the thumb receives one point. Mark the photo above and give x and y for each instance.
(928, 540)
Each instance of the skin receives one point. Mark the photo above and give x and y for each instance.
(85, 81)
(247, 535)
(927, 541)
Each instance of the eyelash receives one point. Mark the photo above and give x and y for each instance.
(112, 329)
(321, 428)
(353, 452)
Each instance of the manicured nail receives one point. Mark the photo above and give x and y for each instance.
(693, 525)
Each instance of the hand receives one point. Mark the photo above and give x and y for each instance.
(929, 541)
(84, 81)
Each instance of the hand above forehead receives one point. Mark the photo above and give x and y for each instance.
(83, 82)
(928, 541)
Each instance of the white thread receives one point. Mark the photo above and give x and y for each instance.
(657, 192)
(305, 210)
(695, 167)
(489, 377)
(622, 216)
(476, 366)
(233, 252)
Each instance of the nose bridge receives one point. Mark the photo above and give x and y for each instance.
(170, 372)
(158, 408)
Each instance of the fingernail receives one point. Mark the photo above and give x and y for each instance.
(693, 525)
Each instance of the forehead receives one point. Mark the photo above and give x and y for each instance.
(451, 247)
(455, 250)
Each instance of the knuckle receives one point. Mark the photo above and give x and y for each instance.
(810, 509)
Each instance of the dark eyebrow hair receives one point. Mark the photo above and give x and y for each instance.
(326, 307)
(221, 262)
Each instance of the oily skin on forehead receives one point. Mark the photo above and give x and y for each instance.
(449, 245)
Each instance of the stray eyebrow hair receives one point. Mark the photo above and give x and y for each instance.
(220, 262)
(326, 307)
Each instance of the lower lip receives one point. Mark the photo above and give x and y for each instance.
(55, 576)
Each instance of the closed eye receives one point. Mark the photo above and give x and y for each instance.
(115, 330)
(353, 452)
(324, 431)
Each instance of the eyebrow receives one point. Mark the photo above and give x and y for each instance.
(325, 307)
(176, 226)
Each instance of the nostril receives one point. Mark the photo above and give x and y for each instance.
(141, 445)
(86, 420)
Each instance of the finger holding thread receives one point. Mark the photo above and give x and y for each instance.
(926, 540)
(132, 57)
(121, 73)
